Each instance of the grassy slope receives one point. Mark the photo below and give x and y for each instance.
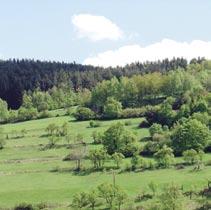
(25, 170)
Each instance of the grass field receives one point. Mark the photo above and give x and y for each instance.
(27, 172)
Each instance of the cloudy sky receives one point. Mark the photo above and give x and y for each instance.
(105, 32)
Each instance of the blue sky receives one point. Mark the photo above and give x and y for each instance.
(124, 30)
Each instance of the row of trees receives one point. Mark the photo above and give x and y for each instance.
(146, 89)
(170, 197)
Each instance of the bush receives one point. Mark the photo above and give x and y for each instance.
(133, 112)
(119, 139)
(155, 129)
(94, 124)
(83, 113)
(97, 137)
(202, 117)
(192, 134)
(27, 114)
(112, 109)
(44, 114)
(24, 206)
(144, 124)
(128, 122)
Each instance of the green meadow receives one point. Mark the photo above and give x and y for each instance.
(32, 175)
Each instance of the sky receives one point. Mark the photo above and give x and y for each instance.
(105, 32)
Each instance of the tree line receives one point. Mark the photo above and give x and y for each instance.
(18, 76)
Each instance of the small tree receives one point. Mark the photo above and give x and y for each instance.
(171, 198)
(118, 139)
(64, 129)
(121, 197)
(3, 111)
(97, 137)
(92, 199)
(118, 158)
(191, 156)
(113, 195)
(77, 154)
(107, 192)
(164, 157)
(155, 129)
(112, 108)
(23, 132)
(51, 129)
(53, 140)
(83, 113)
(192, 134)
(2, 138)
(98, 157)
(135, 161)
(153, 187)
(80, 200)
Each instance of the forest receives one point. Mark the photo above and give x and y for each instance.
(24, 75)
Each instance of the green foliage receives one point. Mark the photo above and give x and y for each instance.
(113, 195)
(118, 158)
(153, 187)
(97, 137)
(192, 134)
(52, 129)
(77, 153)
(171, 198)
(112, 109)
(204, 118)
(164, 157)
(98, 157)
(92, 199)
(3, 111)
(27, 114)
(94, 124)
(2, 138)
(155, 129)
(133, 112)
(83, 113)
(118, 139)
(135, 161)
(200, 106)
(192, 156)
(80, 200)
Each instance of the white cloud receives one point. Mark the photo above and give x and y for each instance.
(96, 28)
(165, 49)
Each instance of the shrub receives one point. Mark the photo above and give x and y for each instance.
(192, 156)
(128, 122)
(119, 139)
(164, 157)
(94, 124)
(155, 129)
(133, 112)
(44, 114)
(24, 206)
(192, 134)
(27, 114)
(112, 109)
(202, 117)
(83, 113)
(97, 137)
(144, 124)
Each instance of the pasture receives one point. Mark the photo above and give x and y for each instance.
(32, 175)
